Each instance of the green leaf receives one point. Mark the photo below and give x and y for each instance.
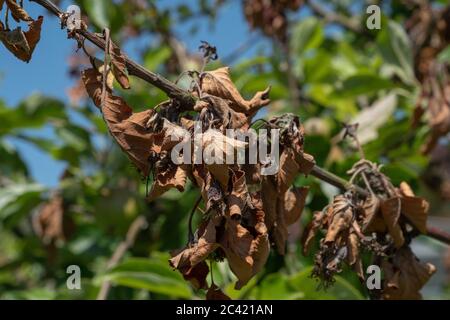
(155, 57)
(308, 34)
(153, 275)
(444, 56)
(33, 112)
(17, 200)
(74, 136)
(396, 49)
(11, 163)
(360, 84)
(277, 286)
(99, 11)
(341, 289)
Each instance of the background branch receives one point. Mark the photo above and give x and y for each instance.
(333, 17)
(136, 226)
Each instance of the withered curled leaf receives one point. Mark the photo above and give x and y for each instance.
(391, 209)
(238, 197)
(246, 254)
(51, 223)
(371, 208)
(128, 129)
(197, 275)
(222, 113)
(405, 275)
(415, 209)
(294, 202)
(219, 84)
(340, 220)
(22, 44)
(311, 230)
(173, 177)
(353, 255)
(119, 68)
(215, 293)
(188, 258)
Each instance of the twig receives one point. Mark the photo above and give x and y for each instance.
(191, 215)
(136, 226)
(338, 182)
(332, 17)
(186, 100)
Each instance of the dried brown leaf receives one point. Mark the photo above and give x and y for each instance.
(416, 210)
(218, 83)
(119, 68)
(22, 44)
(237, 199)
(279, 231)
(223, 113)
(294, 202)
(215, 293)
(173, 177)
(221, 173)
(311, 230)
(289, 169)
(390, 210)
(340, 220)
(371, 208)
(51, 223)
(406, 190)
(128, 129)
(191, 256)
(252, 173)
(197, 275)
(352, 248)
(269, 197)
(245, 253)
(405, 276)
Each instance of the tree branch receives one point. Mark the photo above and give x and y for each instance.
(136, 226)
(333, 17)
(186, 100)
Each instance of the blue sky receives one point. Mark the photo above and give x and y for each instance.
(19, 80)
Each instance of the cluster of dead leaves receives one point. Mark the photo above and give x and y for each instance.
(382, 224)
(20, 43)
(270, 16)
(429, 30)
(237, 224)
(240, 225)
